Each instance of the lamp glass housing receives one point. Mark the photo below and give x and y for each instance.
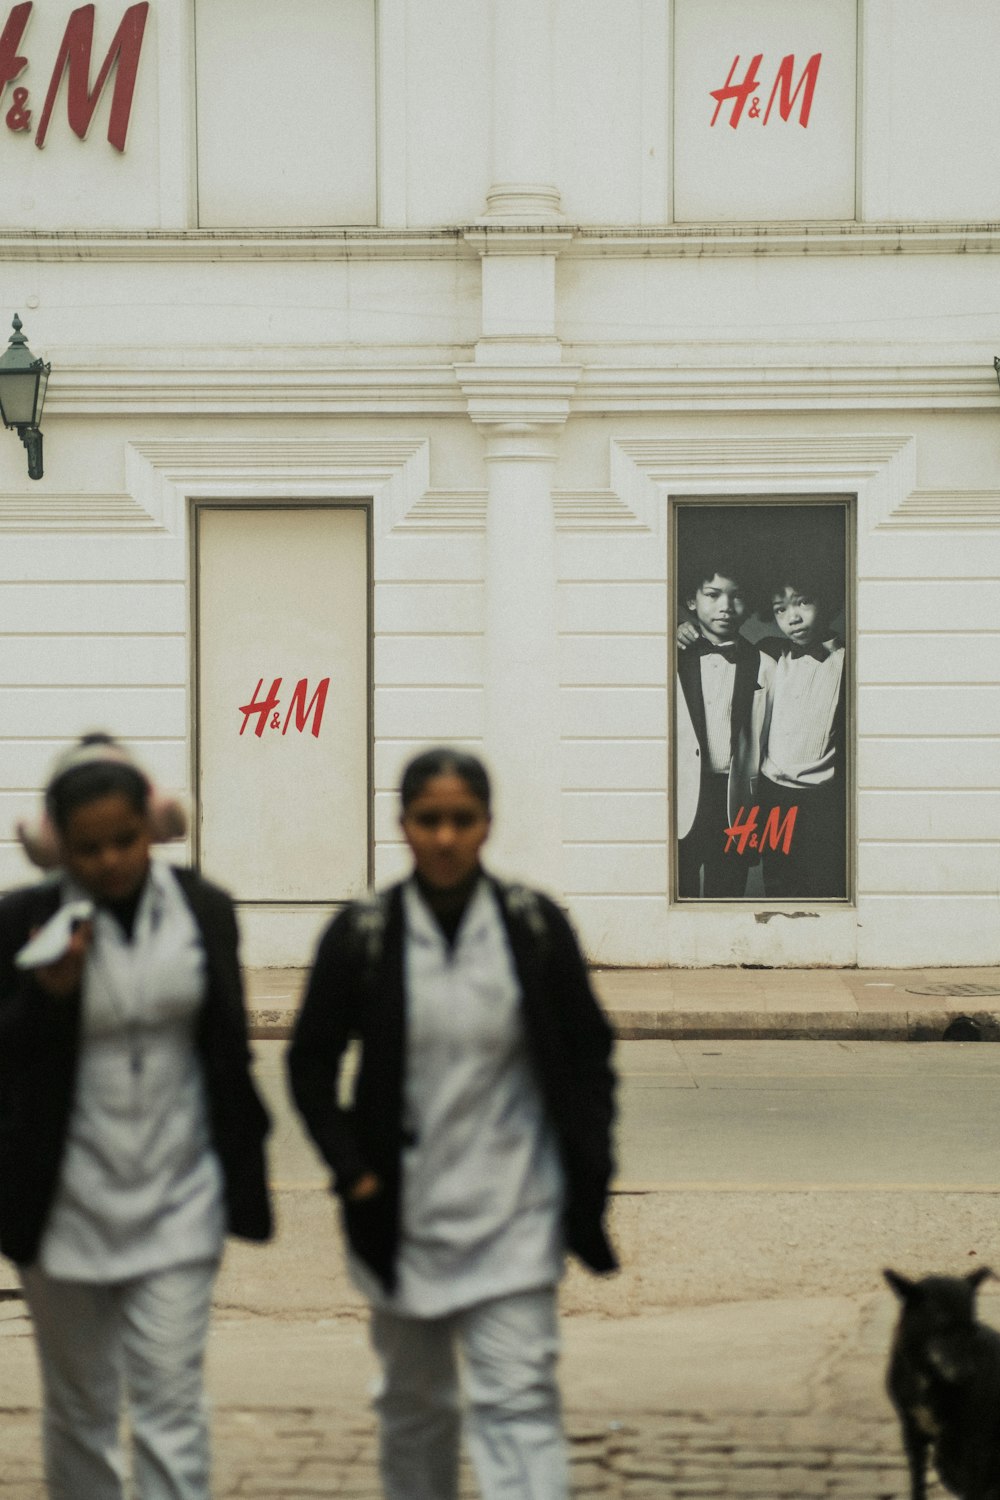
(18, 396)
(23, 381)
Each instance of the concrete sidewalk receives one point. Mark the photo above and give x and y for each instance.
(766, 1004)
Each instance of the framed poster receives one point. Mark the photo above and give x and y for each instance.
(762, 713)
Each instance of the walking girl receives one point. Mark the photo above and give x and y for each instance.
(131, 1136)
(476, 1149)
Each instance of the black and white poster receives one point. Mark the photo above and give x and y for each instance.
(762, 734)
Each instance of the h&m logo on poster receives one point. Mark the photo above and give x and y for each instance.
(73, 61)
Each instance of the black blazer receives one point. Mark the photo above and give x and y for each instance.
(356, 990)
(40, 1045)
(744, 686)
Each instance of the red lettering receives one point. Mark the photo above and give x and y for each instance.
(783, 82)
(742, 829)
(302, 710)
(262, 708)
(738, 92)
(778, 830)
(74, 59)
(11, 62)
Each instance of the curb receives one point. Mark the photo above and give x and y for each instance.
(762, 1026)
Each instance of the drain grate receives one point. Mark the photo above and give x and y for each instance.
(958, 991)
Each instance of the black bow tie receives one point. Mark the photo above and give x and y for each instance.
(725, 649)
(818, 651)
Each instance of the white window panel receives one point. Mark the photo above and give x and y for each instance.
(286, 113)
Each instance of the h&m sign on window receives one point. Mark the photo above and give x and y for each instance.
(73, 62)
(764, 110)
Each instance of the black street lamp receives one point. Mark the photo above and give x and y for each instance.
(23, 380)
(996, 364)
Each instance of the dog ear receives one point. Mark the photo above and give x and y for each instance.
(979, 1275)
(901, 1285)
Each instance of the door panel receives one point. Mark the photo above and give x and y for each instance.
(283, 701)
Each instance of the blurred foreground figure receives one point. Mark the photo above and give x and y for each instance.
(131, 1137)
(477, 1147)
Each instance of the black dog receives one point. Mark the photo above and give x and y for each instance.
(944, 1381)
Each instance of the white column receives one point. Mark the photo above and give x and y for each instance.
(518, 393)
(521, 412)
(522, 670)
(523, 188)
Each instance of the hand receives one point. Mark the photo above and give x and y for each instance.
(63, 978)
(687, 635)
(366, 1187)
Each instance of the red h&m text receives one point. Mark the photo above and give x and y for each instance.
(743, 92)
(267, 709)
(775, 833)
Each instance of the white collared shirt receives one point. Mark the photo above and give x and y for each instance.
(482, 1183)
(800, 748)
(140, 1187)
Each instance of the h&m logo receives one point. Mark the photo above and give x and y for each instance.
(743, 92)
(73, 60)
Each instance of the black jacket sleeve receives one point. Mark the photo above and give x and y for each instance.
(328, 1018)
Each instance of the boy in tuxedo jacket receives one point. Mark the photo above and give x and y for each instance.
(722, 704)
(802, 763)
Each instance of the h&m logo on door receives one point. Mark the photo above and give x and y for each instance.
(73, 59)
(743, 92)
(267, 709)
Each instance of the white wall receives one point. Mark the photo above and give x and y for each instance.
(195, 364)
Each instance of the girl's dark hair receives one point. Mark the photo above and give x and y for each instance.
(444, 761)
(78, 785)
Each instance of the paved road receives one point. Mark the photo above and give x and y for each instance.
(740, 1351)
(771, 1114)
(820, 1114)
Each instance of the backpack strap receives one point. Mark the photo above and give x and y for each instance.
(369, 917)
(524, 908)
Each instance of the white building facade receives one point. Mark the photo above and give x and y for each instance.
(386, 336)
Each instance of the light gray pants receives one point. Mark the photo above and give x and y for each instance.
(146, 1337)
(509, 1347)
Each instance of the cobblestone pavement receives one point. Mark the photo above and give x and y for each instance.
(294, 1455)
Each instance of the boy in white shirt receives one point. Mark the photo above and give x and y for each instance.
(801, 790)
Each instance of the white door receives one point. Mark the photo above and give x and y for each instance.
(283, 701)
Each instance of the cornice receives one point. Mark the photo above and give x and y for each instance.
(168, 245)
(497, 393)
(468, 241)
(758, 240)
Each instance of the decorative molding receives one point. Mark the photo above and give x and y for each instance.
(282, 389)
(820, 386)
(950, 509)
(881, 469)
(165, 475)
(594, 510)
(446, 510)
(498, 392)
(672, 241)
(667, 241)
(518, 396)
(465, 511)
(132, 245)
(27, 514)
